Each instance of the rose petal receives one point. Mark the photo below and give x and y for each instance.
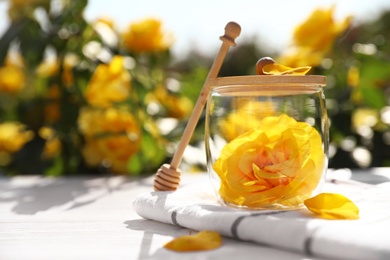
(266, 175)
(204, 240)
(332, 206)
(278, 69)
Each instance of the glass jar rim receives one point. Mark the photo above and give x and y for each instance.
(264, 80)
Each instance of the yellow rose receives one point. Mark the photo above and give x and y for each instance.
(51, 67)
(146, 36)
(281, 161)
(52, 106)
(109, 83)
(313, 38)
(176, 106)
(48, 68)
(52, 142)
(247, 116)
(12, 79)
(363, 117)
(70, 62)
(353, 76)
(111, 135)
(13, 137)
(320, 30)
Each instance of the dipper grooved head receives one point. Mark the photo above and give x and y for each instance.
(167, 178)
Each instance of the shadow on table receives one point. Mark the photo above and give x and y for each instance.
(34, 194)
(150, 229)
(230, 249)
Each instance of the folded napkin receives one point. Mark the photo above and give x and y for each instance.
(196, 207)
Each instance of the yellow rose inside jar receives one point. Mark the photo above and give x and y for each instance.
(267, 140)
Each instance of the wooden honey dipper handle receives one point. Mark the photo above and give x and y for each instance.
(232, 30)
(168, 176)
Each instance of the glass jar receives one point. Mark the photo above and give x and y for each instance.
(267, 140)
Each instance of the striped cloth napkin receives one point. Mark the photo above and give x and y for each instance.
(196, 207)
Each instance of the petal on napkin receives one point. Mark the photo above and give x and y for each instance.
(204, 240)
(278, 69)
(332, 206)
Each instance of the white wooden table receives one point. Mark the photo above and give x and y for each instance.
(92, 218)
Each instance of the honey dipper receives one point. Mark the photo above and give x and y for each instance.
(167, 177)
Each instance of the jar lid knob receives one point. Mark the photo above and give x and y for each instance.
(261, 63)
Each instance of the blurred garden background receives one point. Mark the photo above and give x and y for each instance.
(81, 92)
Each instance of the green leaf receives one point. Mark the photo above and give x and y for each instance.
(32, 43)
(152, 151)
(56, 168)
(134, 165)
(373, 97)
(374, 73)
(374, 70)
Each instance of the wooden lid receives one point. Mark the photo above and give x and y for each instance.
(308, 80)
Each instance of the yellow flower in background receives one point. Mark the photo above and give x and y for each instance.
(48, 68)
(353, 76)
(176, 106)
(146, 35)
(52, 106)
(110, 83)
(320, 30)
(364, 117)
(314, 38)
(52, 145)
(247, 115)
(51, 67)
(70, 62)
(111, 135)
(13, 136)
(353, 81)
(12, 79)
(281, 161)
